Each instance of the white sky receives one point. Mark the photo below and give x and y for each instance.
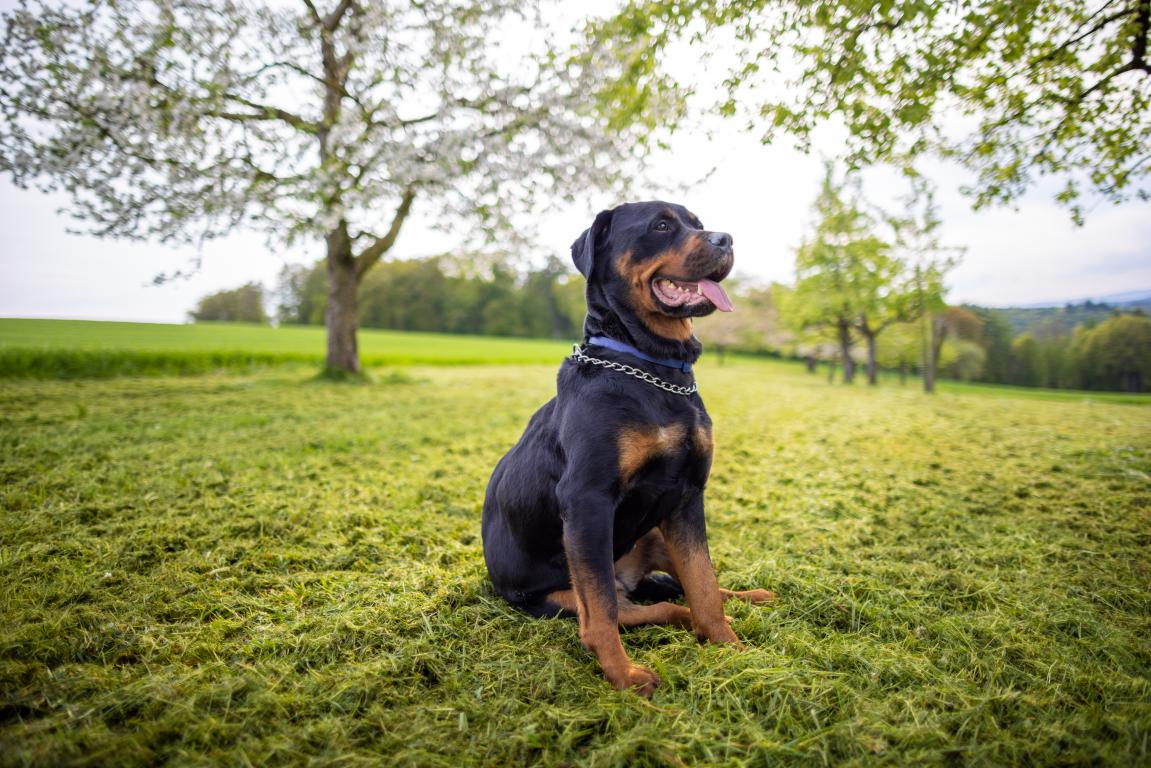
(761, 195)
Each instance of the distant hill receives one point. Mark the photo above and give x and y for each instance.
(1058, 320)
(1114, 299)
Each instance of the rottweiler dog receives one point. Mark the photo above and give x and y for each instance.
(598, 509)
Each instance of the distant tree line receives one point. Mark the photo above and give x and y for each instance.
(237, 305)
(1112, 354)
(1095, 347)
(439, 294)
(859, 298)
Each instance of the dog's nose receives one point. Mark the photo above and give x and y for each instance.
(719, 239)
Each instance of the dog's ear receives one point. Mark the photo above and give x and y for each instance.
(585, 246)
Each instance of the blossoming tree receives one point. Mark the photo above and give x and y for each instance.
(180, 120)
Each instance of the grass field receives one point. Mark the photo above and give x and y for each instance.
(86, 349)
(261, 569)
(75, 349)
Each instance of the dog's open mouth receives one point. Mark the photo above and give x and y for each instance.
(691, 293)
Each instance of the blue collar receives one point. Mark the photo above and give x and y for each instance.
(619, 346)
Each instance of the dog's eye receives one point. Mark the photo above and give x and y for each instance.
(662, 226)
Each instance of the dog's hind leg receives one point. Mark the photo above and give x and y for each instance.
(753, 596)
(565, 602)
(657, 557)
(632, 615)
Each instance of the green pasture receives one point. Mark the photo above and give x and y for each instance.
(77, 349)
(265, 570)
(88, 349)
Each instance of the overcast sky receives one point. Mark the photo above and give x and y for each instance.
(761, 195)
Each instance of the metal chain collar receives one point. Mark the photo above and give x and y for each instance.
(579, 357)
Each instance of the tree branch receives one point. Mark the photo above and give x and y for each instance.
(332, 20)
(417, 120)
(266, 112)
(313, 12)
(370, 255)
(1080, 37)
(246, 117)
(1139, 47)
(290, 66)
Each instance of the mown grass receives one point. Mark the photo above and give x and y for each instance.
(267, 570)
(53, 349)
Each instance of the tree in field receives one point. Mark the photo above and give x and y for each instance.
(180, 120)
(846, 276)
(901, 348)
(955, 323)
(885, 299)
(1011, 89)
(927, 262)
(239, 305)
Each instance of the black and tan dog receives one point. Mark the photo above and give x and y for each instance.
(605, 489)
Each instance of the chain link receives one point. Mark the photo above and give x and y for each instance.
(579, 357)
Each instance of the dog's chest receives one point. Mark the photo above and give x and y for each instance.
(664, 454)
(660, 467)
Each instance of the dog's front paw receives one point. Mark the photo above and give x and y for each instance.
(719, 633)
(639, 679)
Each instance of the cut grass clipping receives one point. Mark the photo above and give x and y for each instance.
(264, 571)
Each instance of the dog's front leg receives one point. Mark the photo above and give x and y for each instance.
(685, 533)
(588, 545)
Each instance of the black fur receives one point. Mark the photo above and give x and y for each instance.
(655, 588)
(562, 480)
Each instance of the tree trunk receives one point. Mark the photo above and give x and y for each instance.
(903, 374)
(845, 353)
(342, 317)
(938, 334)
(872, 363)
(810, 361)
(928, 365)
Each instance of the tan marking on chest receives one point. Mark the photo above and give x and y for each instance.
(640, 444)
(704, 441)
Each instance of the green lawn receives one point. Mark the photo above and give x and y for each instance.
(263, 570)
(80, 348)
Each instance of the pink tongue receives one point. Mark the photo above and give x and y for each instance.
(716, 295)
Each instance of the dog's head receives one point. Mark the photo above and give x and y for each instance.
(650, 268)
